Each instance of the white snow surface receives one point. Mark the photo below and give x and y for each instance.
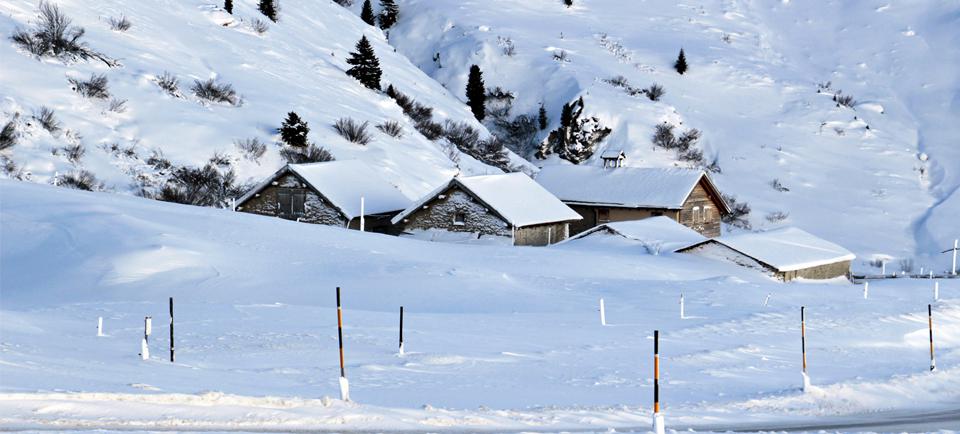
(786, 249)
(660, 233)
(345, 182)
(633, 187)
(497, 338)
(521, 201)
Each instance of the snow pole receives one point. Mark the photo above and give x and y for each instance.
(936, 291)
(803, 348)
(99, 326)
(171, 330)
(401, 330)
(657, 417)
(866, 289)
(147, 328)
(883, 268)
(682, 316)
(344, 384)
(766, 300)
(145, 342)
(603, 314)
(955, 248)
(933, 360)
(362, 209)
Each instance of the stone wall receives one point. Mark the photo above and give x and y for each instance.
(440, 213)
(316, 209)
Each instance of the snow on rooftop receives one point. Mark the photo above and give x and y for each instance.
(514, 196)
(344, 182)
(625, 186)
(660, 232)
(612, 153)
(786, 249)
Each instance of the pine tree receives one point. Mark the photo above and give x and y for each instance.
(542, 118)
(366, 13)
(294, 131)
(568, 2)
(366, 66)
(681, 65)
(228, 6)
(268, 8)
(389, 13)
(476, 93)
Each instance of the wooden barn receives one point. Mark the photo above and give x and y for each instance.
(604, 195)
(327, 193)
(511, 207)
(787, 253)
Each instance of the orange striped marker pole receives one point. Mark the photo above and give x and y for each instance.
(803, 348)
(933, 360)
(344, 384)
(658, 427)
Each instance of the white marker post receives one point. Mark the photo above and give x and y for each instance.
(766, 300)
(603, 314)
(883, 268)
(145, 342)
(362, 212)
(682, 316)
(803, 349)
(866, 290)
(936, 291)
(99, 326)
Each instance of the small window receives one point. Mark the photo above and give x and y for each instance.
(603, 215)
(460, 218)
(697, 218)
(656, 214)
(707, 214)
(291, 203)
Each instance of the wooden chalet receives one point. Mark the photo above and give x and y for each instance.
(510, 206)
(603, 195)
(327, 193)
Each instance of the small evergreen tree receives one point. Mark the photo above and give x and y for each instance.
(294, 131)
(366, 13)
(568, 2)
(542, 118)
(268, 8)
(228, 6)
(476, 93)
(366, 66)
(681, 65)
(389, 13)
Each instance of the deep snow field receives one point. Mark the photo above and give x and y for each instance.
(497, 338)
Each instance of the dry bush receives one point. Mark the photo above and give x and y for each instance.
(310, 154)
(121, 24)
(212, 91)
(252, 149)
(352, 131)
(391, 128)
(95, 87)
(79, 180)
(55, 36)
(170, 84)
(47, 120)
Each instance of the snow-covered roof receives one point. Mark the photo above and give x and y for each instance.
(632, 187)
(613, 154)
(343, 183)
(784, 249)
(661, 231)
(513, 196)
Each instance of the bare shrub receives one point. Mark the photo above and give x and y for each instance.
(506, 46)
(618, 81)
(259, 26)
(778, 186)
(159, 162)
(663, 136)
(210, 90)
(739, 215)
(692, 155)
(518, 134)
(352, 131)
(94, 87)
(55, 36)
(844, 100)
(252, 149)
(47, 120)
(654, 92)
(310, 154)
(121, 24)
(561, 56)
(688, 140)
(170, 84)
(8, 136)
(344, 3)
(461, 134)
(74, 152)
(117, 105)
(9, 168)
(430, 129)
(416, 111)
(391, 128)
(79, 180)
(777, 216)
(214, 184)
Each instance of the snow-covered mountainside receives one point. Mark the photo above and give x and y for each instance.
(297, 65)
(497, 338)
(879, 177)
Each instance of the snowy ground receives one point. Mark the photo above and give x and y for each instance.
(498, 338)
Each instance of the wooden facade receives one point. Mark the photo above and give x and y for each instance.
(702, 211)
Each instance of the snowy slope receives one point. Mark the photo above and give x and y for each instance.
(297, 65)
(854, 175)
(497, 337)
